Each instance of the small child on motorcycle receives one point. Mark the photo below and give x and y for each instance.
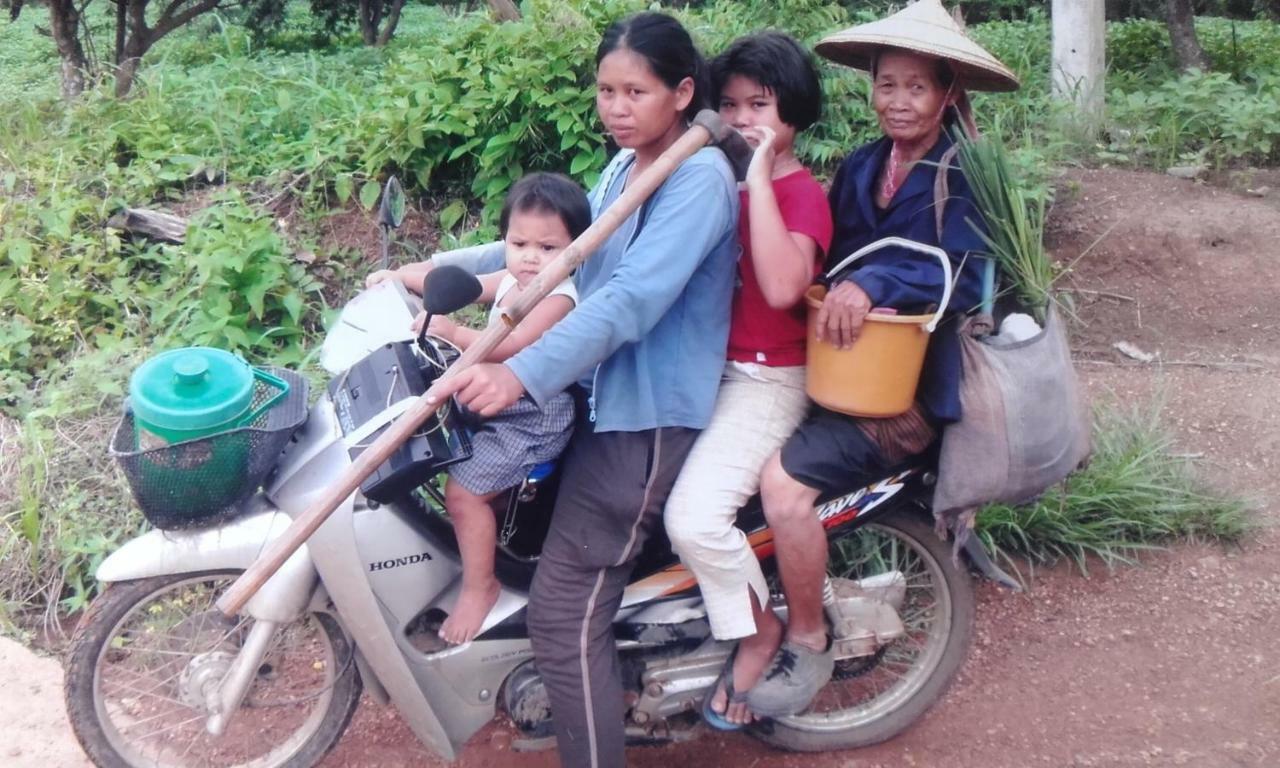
(542, 214)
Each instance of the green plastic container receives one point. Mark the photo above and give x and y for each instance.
(194, 392)
(199, 394)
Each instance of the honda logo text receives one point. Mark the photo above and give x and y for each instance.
(384, 565)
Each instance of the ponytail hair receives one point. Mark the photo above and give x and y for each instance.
(667, 47)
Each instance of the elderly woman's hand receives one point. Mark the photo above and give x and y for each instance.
(840, 318)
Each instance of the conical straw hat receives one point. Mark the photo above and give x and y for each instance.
(923, 27)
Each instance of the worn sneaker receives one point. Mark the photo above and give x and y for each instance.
(794, 678)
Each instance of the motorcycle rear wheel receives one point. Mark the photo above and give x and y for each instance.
(140, 654)
(871, 700)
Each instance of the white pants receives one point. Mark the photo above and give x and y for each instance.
(757, 409)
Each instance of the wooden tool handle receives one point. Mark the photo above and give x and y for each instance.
(607, 222)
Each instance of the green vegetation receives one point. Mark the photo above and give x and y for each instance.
(1135, 494)
(260, 141)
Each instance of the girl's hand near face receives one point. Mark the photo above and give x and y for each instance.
(760, 172)
(840, 318)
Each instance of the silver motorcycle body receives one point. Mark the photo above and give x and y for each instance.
(388, 572)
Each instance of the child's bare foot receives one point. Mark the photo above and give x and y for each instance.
(469, 614)
(753, 655)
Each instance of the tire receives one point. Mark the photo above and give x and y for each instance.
(946, 639)
(115, 689)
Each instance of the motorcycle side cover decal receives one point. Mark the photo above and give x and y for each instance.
(834, 513)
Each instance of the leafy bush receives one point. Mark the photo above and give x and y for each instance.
(243, 289)
(1241, 48)
(1198, 117)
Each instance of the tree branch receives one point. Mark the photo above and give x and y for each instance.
(165, 26)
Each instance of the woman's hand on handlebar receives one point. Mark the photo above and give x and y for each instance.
(840, 318)
(486, 388)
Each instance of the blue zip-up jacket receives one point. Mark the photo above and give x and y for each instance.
(649, 333)
(894, 277)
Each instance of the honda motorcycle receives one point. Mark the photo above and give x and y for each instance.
(158, 676)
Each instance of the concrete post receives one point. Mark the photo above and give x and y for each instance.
(1079, 57)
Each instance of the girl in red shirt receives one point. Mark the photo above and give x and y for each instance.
(767, 88)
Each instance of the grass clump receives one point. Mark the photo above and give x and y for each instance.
(63, 505)
(1136, 494)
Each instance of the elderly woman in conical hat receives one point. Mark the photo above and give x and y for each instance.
(906, 184)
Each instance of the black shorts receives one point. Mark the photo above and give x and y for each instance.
(831, 453)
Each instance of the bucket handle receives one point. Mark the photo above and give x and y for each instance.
(910, 245)
(281, 387)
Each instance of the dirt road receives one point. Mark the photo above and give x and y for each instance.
(33, 722)
(1171, 663)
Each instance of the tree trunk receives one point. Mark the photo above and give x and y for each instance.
(504, 10)
(393, 19)
(138, 36)
(369, 11)
(125, 74)
(121, 21)
(1182, 36)
(64, 22)
(134, 42)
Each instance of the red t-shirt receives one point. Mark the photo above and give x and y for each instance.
(757, 332)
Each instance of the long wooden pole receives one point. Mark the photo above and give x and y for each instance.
(706, 128)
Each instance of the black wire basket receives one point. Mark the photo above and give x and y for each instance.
(204, 482)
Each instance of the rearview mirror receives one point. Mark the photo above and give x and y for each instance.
(447, 289)
(391, 209)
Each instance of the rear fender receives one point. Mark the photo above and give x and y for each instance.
(233, 546)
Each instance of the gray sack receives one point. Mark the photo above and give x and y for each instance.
(1024, 424)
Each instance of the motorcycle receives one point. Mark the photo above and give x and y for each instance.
(157, 676)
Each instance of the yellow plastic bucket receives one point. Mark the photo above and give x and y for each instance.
(878, 375)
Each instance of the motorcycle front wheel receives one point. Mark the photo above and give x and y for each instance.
(873, 699)
(148, 652)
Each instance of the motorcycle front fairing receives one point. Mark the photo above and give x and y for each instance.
(381, 567)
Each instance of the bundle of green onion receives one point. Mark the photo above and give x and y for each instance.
(1014, 222)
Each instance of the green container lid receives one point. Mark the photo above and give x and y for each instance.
(191, 392)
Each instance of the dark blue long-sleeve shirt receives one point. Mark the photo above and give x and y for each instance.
(905, 280)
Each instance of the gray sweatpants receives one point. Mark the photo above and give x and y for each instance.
(614, 488)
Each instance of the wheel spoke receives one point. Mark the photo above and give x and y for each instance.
(171, 727)
(868, 690)
(178, 707)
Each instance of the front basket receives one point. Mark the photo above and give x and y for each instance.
(203, 482)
